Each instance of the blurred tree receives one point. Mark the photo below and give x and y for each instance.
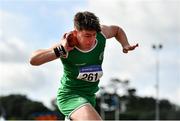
(30, 107)
(131, 92)
(136, 107)
(56, 109)
(19, 107)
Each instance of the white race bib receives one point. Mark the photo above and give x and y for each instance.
(90, 73)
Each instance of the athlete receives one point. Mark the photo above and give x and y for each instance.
(81, 52)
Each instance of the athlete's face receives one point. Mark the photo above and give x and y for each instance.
(86, 38)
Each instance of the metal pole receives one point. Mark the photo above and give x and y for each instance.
(102, 102)
(117, 110)
(157, 87)
(157, 48)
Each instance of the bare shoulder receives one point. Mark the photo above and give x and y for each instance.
(109, 31)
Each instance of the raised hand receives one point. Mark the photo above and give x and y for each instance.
(129, 48)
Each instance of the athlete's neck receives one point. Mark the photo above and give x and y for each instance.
(86, 48)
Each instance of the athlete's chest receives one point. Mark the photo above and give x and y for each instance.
(78, 58)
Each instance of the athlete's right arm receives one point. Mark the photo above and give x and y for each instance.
(42, 56)
(45, 55)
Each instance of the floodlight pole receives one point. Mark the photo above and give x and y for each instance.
(157, 112)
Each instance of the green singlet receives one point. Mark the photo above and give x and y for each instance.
(82, 71)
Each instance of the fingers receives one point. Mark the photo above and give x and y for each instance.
(129, 48)
(125, 50)
(133, 47)
(65, 36)
(65, 43)
(136, 45)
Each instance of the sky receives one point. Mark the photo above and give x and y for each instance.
(26, 26)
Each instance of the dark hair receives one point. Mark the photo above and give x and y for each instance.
(86, 21)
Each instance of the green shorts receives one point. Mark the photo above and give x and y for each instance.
(70, 101)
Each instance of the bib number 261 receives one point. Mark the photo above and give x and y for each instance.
(90, 73)
(90, 76)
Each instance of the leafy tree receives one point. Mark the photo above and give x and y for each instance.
(138, 108)
(19, 107)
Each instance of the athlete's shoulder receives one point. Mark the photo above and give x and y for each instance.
(101, 35)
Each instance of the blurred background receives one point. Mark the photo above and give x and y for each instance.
(143, 84)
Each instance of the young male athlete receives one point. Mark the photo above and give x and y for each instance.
(81, 52)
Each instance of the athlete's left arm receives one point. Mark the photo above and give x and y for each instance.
(119, 34)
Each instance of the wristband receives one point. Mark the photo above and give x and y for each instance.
(60, 51)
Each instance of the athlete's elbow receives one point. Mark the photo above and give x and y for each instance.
(35, 62)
